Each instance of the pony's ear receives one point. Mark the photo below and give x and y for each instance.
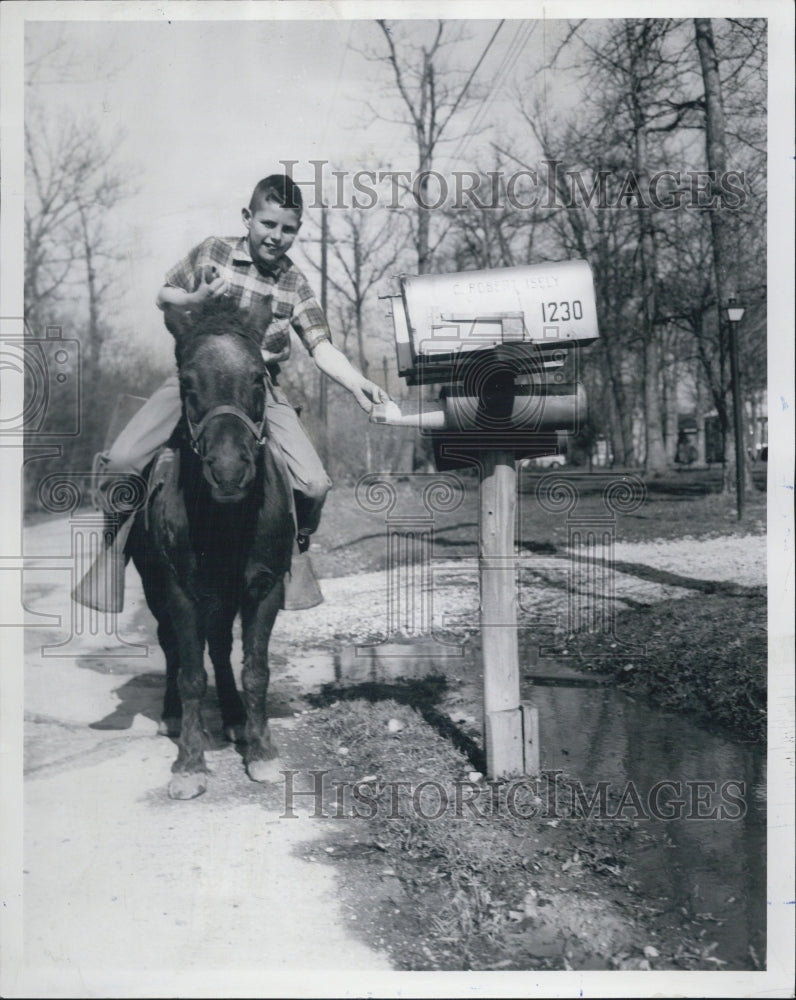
(176, 321)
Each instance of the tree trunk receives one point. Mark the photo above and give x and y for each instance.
(655, 459)
(700, 418)
(621, 422)
(363, 360)
(671, 403)
(423, 253)
(92, 342)
(716, 150)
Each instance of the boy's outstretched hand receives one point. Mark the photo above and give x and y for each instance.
(367, 394)
(337, 366)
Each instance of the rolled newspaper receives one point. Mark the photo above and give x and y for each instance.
(390, 413)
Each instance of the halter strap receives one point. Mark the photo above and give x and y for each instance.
(197, 430)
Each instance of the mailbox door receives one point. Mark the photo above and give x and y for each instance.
(541, 304)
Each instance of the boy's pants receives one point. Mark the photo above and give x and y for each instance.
(153, 424)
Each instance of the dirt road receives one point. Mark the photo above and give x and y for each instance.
(125, 889)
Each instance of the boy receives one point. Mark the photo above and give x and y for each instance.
(248, 270)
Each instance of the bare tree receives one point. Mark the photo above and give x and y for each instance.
(430, 92)
(641, 110)
(641, 104)
(688, 301)
(73, 182)
(637, 68)
(571, 227)
(489, 229)
(724, 260)
(366, 246)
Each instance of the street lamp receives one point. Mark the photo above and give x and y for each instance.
(735, 315)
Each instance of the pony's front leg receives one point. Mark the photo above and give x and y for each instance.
(219, 644)
(258, 615)
(189, 770)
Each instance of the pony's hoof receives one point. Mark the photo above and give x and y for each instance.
(187, 786)
(235, 734)
(169, 727)
(264, 770)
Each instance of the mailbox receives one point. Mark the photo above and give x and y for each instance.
(445, 321)
(503, 346)
(502, 343)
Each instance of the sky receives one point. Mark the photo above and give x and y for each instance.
(200, 110)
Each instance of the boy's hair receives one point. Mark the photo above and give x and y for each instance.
(280, 189)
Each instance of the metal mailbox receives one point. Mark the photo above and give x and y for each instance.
(444, 321)
(502, 343)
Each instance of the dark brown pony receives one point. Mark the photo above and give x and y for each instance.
(215, 540)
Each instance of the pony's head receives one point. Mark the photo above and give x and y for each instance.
(222, 386)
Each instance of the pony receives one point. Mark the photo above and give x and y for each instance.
(215, 539)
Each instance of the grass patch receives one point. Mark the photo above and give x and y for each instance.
(490, 880)
(706, 655)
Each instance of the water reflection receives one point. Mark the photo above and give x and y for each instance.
(700, 866)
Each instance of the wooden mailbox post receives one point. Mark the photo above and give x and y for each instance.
(507, 748)
(500, 344)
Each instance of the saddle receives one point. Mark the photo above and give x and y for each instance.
(102, 587)
(301, 585)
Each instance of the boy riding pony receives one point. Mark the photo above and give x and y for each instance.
(255, 273)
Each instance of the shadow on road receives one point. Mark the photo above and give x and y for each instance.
(141, 695)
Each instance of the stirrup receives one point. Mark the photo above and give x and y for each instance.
(102, 586)
(301, 586)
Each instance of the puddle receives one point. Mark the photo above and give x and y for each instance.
(710, 867)
(708, 861)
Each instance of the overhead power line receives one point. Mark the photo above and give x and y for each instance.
(469, 80)
(513, 52)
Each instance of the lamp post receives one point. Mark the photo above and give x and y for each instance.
(735, 315)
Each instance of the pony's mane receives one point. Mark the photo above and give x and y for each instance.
(222, 317)
(217, 318)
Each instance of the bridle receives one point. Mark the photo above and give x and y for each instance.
(197, 430)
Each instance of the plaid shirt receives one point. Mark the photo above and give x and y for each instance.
(293, 302)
